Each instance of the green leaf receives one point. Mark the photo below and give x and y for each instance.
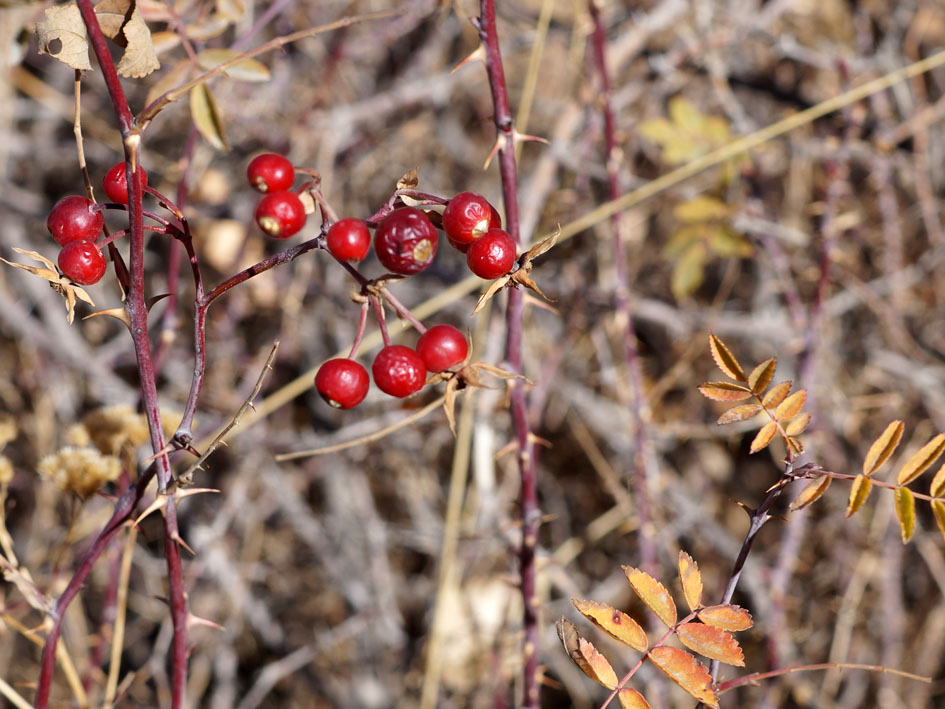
(207, 118)
(701, 209)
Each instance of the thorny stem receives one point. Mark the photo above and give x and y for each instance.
(505, 136)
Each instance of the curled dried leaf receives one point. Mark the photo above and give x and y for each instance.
(686, 671)
(653, 594)
(813, 492)
(61, 34)
(711, 642)
(409, 180)
(905, 513)
(725, 360)
(585, 655)
(859, 491)
(921, 460)
(882, 447)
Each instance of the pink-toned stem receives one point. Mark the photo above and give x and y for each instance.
(379, 314)
(362, 324)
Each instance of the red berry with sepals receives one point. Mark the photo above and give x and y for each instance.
(270, 172)
(442, 347)
(467, 217)
(82, 262)
(115, 183)
(398, 371)
(348, 240)
(280, 214)
(491, 256)
(343, 383)
(405, 241)
(73, 218)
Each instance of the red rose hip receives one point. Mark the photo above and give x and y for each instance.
(348, 240)
(467, 217)
(398, 371)
(491, 256)
(115, 183)
(82, 262)
(405, 241)
(343, 383)
(442, 347)
(270, 172)
(72, 218)
(280, 214)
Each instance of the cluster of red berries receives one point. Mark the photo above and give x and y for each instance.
(280, 212)
(76, 221)
(398, 370)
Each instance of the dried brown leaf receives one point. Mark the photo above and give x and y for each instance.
(764, 436)
(615, 623)
(691, 579)
(776, 394)
(122, 22)
(711, 642)
(905, 513)
(409, 180)
(725, 360)
(921, 460)
(61, 34)
(726, 617)
(810, 494)
(882, 447)
(791, 407)
(632, 699)
(585, 655)
(724, 391)
(206, 116)
(858, 493)
(653, 594)
(686, 671)
(798, 425)
(740, 413)
(761, 376)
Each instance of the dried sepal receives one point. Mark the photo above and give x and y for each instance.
(726, 617)
(585, 655)
(776, 394)
(615, 623)
(937, 488)
(711, 642)
(725, 360)
(409, 180)
(653, 594)
(882, 447)
(632, 699)
(761, 376)
(798, 425)
(859, 491)
(795, 446)
(691, 580)
(813, 492)
(61, 284)
(791, 407)
(764, 436)
(724, 391)
(921, 460)
(905, 513)
(740, 413)
(686, 671)
(938, 510)
(119, 314)
(496, 285)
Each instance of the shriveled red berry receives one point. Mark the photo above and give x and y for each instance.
(405, 241)
(280, 214)
(343, 383)
(398, 371)
(491, 256)
(442, 347)
(72, 218)
(270, 172)
(82, 262)
(467, 217)
(348, 240)
(115, 183)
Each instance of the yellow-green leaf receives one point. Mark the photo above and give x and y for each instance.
(691, 579)
(811, 493)
(711, 642)
(921, 460)
(207, 118)
(791, 407)
(859, 491)
(727, 243)
(653, 594)
(631, 699)
(798, 425)
(882, 447)
(740, 413)
(761, 376)
(618, 625)
(689, 270)
(686, 671)
(724, 391)
(701, 209)
(764, 436)
(776, 394)
(905, 513)
(585, 655)
(726, 617)
(725, 360)
(175, 76)
(938, 509)
(242, 70)
(937, 488)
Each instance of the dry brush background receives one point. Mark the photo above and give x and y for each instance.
(323, 571)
